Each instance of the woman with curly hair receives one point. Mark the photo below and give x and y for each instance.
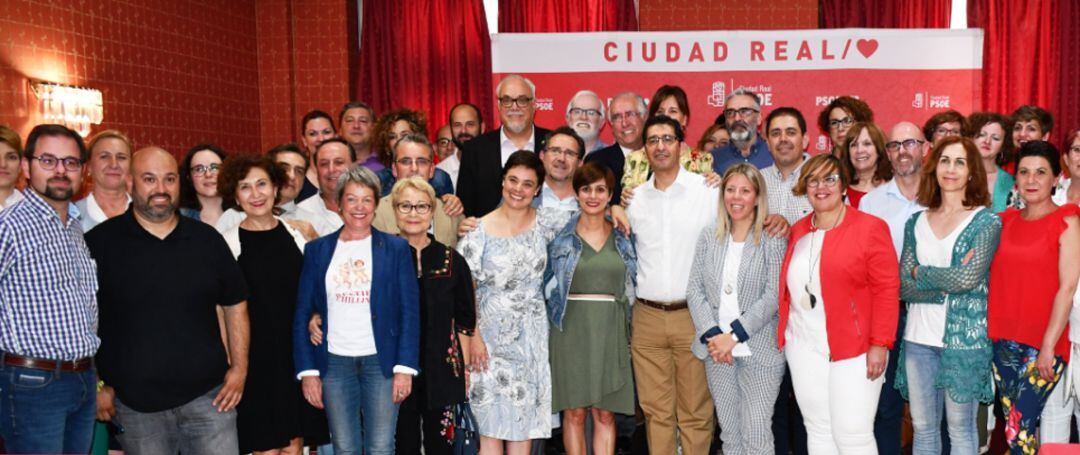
(394, 125)
(838, 117)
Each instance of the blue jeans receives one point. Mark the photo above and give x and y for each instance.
(47, 411)
(923, 363)
(193, 427)
(359, 406)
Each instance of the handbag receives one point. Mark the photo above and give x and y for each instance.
(466, 434)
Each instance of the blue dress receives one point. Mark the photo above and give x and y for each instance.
(512, 399)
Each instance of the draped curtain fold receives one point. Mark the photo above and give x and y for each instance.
(1068, 95)
(427, 55)
(565, 16)
(1022, 55)
(884, 13)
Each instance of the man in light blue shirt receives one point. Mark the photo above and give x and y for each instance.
(742, 113)
(895, 202)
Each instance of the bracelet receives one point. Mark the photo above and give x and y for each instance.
(100, 385)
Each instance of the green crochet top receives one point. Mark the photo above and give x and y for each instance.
(965, 371)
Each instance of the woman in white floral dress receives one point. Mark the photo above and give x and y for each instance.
(510, 389)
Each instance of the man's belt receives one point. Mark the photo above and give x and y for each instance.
(71, 366)
(665, 306)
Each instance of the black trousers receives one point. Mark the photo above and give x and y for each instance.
(417, 425)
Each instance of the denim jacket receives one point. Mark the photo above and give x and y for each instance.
(563, 254)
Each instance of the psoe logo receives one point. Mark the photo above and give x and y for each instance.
(716, 98)
(919, 102)
(545, 104)
(940, 101)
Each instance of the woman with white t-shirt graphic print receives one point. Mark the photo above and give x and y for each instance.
(364, 282)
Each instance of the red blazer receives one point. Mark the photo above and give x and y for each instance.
(860, 281)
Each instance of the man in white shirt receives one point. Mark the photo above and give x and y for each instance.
(895, 202)
(332, 158)
(448, 153)
(667, 215)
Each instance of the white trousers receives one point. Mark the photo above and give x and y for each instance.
(838, 403)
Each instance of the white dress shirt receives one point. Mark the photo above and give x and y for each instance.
(16, 196)
(508, 148)
(321, 218)
(889, 204)
(666, 225)
(926, 321)
(289, 211)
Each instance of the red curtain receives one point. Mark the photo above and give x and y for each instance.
(1021, 53)
(564, 16)
(427, 55)
(884, 13)
(1068, 113)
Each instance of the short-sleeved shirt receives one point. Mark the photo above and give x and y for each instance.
(161, 344)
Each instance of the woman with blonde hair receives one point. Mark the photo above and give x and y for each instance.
(732, 295)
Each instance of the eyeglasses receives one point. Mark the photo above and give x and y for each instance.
(49, 162)
(838, 122)
(564, 152)
(743, 112)
(909, 145)
(586, 112)
(942, 131)
(202, 169)
(830, 181)
(443, 142)
(407, 162)
(422, 208)
(521, 101)
(667, 139)
(628, 115)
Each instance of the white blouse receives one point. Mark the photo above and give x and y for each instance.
(926, 321)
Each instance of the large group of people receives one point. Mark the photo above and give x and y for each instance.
(367, 290)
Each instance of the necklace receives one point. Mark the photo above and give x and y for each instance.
(728, 288)
(811, 299)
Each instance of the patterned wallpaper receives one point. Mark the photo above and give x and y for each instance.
(659, 15)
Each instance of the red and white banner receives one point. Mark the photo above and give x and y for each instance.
(902, 74)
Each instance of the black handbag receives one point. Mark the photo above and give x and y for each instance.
(466, 434)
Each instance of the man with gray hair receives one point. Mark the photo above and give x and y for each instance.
(482, 159)
(585, 114)
(626, 113)
(742, 113)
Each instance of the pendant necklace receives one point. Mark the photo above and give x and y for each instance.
(811, 300)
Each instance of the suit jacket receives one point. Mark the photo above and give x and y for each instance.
(860, 284)
(445, 226)
(480, 176)
(395, 303)
(757, 284)
(611, 157)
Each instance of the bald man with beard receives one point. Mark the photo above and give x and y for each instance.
(161, 279)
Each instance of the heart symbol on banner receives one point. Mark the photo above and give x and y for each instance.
(867, 47)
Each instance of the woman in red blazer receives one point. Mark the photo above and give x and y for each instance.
(839, 288)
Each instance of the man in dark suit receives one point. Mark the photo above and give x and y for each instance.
(480, 177)
(626, 113)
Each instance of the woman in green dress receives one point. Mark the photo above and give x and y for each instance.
(588, 285)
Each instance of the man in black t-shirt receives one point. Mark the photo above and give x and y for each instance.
(161, 278)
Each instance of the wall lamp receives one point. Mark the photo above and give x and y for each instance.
(74, 107)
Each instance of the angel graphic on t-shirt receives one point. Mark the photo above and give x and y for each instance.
(351, 274)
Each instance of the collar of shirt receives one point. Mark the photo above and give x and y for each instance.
(506, 143)
(678, 185)
(549, 199)
(15, 196)
(137, 229)
(94, 211)
(625, 151)
(794, 173)
(893, 190)
(45, 210)
(288, 207)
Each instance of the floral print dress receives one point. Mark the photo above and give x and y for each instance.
(512, 398)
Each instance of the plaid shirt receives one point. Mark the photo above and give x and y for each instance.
(48, 283)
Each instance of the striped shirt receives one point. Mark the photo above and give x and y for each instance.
(48, 283)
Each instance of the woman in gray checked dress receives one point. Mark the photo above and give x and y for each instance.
(510, 390)
(732, 295)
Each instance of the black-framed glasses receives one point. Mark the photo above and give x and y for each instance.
(49, 162)
(838, 122)
(422, 208)
(521, 101)
(203, 169)
(908, 144)
(742, 112)
(594, 113)
(943, 131)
